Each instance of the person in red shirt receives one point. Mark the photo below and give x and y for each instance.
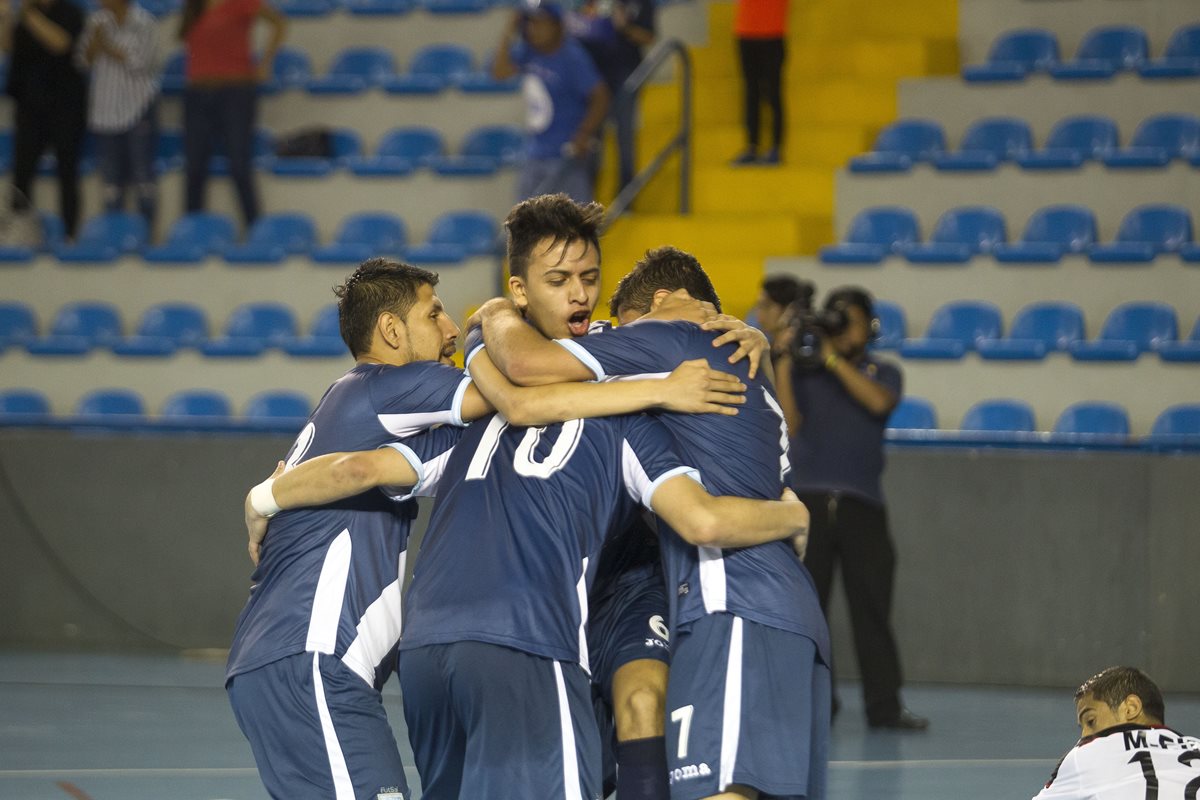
(761, 27)
(221, 98)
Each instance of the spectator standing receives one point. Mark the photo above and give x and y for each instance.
(566, 101)
(120, 44)
(614, 32)
(836, 412)
(220, 102)
(761, 28)
(49, 95)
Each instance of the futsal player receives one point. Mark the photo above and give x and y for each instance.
(749, 692)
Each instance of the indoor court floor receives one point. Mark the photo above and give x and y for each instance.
(137, 727)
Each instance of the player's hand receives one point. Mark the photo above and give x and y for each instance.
(752, 343)
(493, 306)
(800, 537)
(679, 305)
(256, 524)
(696, 388)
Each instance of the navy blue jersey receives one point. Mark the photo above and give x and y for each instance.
(520, 518)
(329, 577)
(744, 455)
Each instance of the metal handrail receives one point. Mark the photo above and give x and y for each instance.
(682, 141)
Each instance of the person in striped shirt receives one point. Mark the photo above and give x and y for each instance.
(120, 45)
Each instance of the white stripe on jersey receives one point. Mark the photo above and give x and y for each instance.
(434, 470)
(581, 591)
(785, 464)
(331, 592)
(712, 579)
(402, 425)
(638, 483)
(378, 630)
(731, 720)
(586, 358)
(343, 787)
(429, 473)
(570, 758)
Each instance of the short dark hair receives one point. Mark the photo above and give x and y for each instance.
(549, 215)
(781, 290)
(662, 268)
(1113, 685)
(378, 285)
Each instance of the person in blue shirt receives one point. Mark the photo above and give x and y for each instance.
(317, 638)
(750, 646)
(837, 413)
(566, 101)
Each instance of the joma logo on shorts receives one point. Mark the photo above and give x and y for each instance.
(689, 772)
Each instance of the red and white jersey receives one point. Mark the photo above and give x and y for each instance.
(1128, 762)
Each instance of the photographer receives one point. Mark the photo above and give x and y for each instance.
(837, 398)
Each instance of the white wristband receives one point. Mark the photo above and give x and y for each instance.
(262, 499)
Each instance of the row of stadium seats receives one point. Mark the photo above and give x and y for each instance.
(453, 237)
(1103, 52)
(955, 329)
(1158, 141)
(400, 151)
(1051, 233)
(320, 8)
(433, 68)
(1091, 418)
(198, 407)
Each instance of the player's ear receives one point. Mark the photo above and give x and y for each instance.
(662, 294)
(516, 286)
(1130, 708)
(391, 329)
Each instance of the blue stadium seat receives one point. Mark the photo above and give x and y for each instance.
(1014, 55)
(1130, 330)
(1038, 329)
(251, 329)
(458, 235)
(1094, 418)
(164, 329)
(1073, 141)
(988, 143)
(344, 143)
(112, 406)
(168, 153)
(1145, 232)
(481, 81)
(18, 324)
(274, 237)
(362, 236)
(1105, 51)
(291, 69)
(161, 8)
(105, 238)
(23, 405)
(1158, 140)
(484, 151)
(913, 413)
(1187, 350)
(354, 70)
(456, 6)
(307, 8)
(1181, 59)
(955, 328)
(278, 408)
(174, 73)
(433, 68)
(875, 233)
(379, 8)
(900, 145)
(324, 338)
(400, 151)
(1051, 233)
(192, 238)
(77, 328)
(893, 326)
(197, 405)
(961, 233)
(999, 416)
(1178, 420)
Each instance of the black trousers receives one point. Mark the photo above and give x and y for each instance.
(36, 129)
(223, 114)
(762, 75)
(855, 534)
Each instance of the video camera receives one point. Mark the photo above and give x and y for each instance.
(810, 326)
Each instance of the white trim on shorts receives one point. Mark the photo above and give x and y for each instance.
(570, 756)
(343, 787)
(731, 721)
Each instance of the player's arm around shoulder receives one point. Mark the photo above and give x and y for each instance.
(525, 356)
(708, 521)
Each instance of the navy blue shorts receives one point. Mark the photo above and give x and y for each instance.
(317, 730)
(628, 623)
(489, 722)
(747, 704)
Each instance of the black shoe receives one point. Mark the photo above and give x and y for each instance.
(903, 721)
